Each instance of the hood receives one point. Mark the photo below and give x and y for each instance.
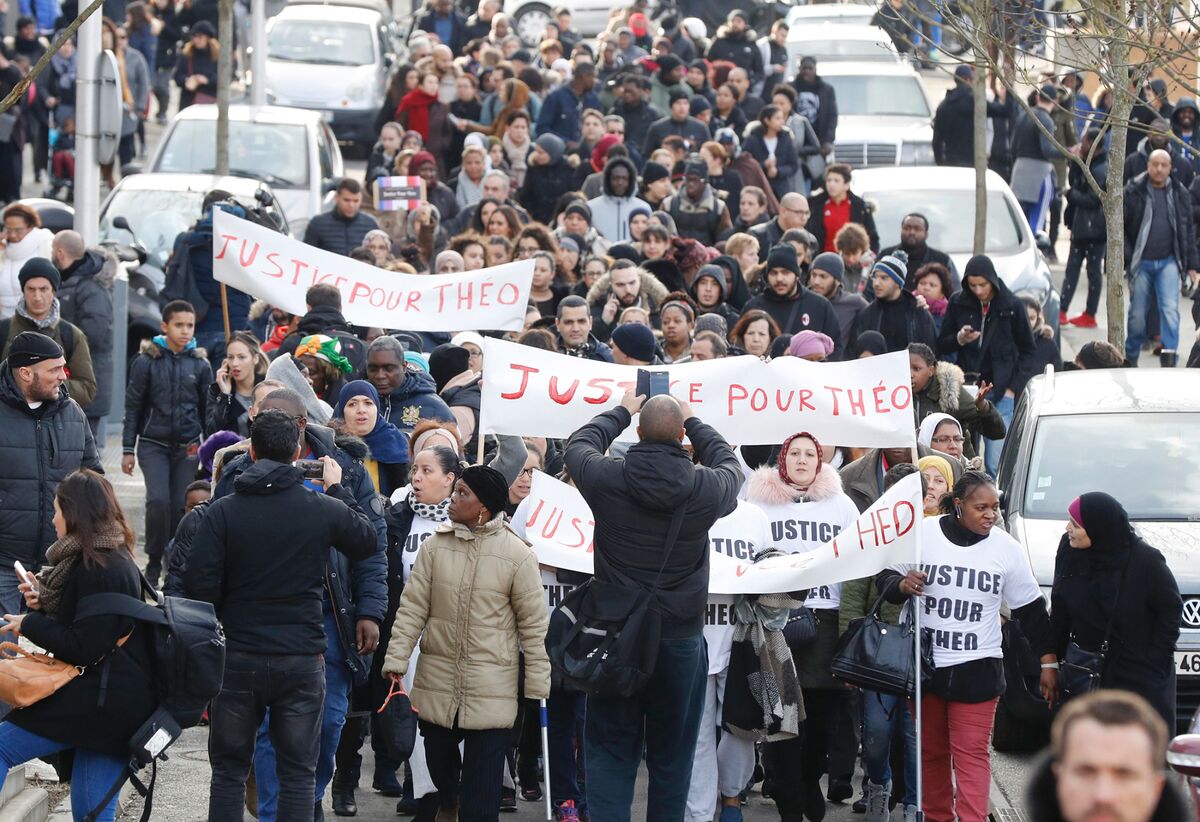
(628, 165)
(1041, 798)
(319, 320)
(659, 474)
(415, 383)
(284, 370)
(982, 266)
(766, 486)
(97, 264)
(154, 349)
(726, 33)
(949, 380)
(651, 287)
(267, 477)
(718, 275)
(1189, 104)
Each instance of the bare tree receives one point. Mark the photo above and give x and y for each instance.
(40, 66)
(224, 79)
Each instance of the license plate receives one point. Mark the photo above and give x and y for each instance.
(1187, 663)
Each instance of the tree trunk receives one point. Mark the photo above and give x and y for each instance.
(979, 127)
(224, 80)
(1113, 201)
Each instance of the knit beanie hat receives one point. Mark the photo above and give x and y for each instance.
(488, 484)
(39, 267)
(895, 265)
(446, 362)
(30, 348)
(324, 348)
(783, 256)
(421, 158)
(807, 343)
(699, 104)
(677, 94)
(654, 171)
(636, 340)
(832, 264)
(579, 207)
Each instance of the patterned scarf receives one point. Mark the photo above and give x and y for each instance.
(438, 512)
(61, 558)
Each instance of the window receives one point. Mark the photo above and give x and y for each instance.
(879, 96)
(951, 214)
(275, 153)
(325, 42)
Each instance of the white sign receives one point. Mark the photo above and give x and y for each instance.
(866, 403)
(557, 521)
(275, 268)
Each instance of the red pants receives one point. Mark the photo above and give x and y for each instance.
(955, 752)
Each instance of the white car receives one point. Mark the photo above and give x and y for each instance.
(946, 196)
(885, 117)
(290, 149)
(838, 43)
(333, 59)
(817, 13)
(529, 17)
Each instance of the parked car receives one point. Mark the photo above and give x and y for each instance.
(529, 17)
(946, 196)
(292, 150)
(839, 43)
(885, 117)
(818, 13)
(335, 59)
(1128, 432)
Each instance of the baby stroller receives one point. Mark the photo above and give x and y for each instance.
(61, 173)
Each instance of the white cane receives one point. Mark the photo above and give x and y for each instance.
(544, 719)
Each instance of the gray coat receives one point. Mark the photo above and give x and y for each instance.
(85, 300)
(137, 75)
(37, 453)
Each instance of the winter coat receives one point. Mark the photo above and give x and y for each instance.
(954, 126)
(638, 119)
(702, 220)
(1003, 355)
(862, 480)
(920, 256)
(1085, 213)
(85, 300)
(660, 96)
(194, 249)
(102, 708)
(642, 492)
(693, 132)
(787, 160)
(592, 349)
(847, 305)
(414, 401)
(610, 213)
(859, 213)
(945, 394)
(260, 556)
(81, 384)
(166, 397)
(179, 549)
(805, 310)
(560, 113)
(739, 49)
(475, 601)
(193, 61)
(1190, 150)
(768, 234)
(1041, 798)
(917, 322)
(651, 294)
(37, 451)
(1137, 198)
(328, 321)
(12, 257)
(428, 20)
(826, 119)
(543, 186)
(1181, 168)
(334, 233)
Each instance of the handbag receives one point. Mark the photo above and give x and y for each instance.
(27, 677)
(396, 723)
(603, 637)
(879, 656)
(1080, 671)
(800, 631)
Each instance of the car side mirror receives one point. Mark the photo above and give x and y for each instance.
(1043, 242)
(120, 222)
(1183, 754)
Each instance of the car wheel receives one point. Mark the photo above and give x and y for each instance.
(530, 23)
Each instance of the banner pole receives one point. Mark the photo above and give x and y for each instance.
(544, 719)
(916, 603)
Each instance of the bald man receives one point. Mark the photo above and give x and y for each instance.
(1160, 245)
(653, 510)
(85, 300)
(794, 212)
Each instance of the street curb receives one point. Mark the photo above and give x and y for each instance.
(30, 805)
(63, 812)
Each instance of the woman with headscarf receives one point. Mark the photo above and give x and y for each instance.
(466, 682)
(803, 499)
(358, 411)
(939, 479)
(944, 434)
(1106, 575)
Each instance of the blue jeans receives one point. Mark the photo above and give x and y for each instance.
(1161, 277)
(564, 719)
(92, 778)
(883, 716)
(663, 719)
(338, 684)
(991, 456)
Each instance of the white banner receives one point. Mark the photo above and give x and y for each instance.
(557, 521)
(865, 403)
(275, 268)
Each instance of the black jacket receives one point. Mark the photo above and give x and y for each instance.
(1139, 161)
(1004, 354)
(859, 213)
(357, 589)
(918, 257)
(85, 300)
(101, 709)
(330, 322)
(37, 451)
(954, 126)
(179, 549)
(415, 400)
(739, 49)
(1041, 798)
(427, 21)
(638, 120)
(1085, 213)
(694, 133)
(806, 310)
(543, 186)
(333, 232)
(900, 322)
(641, 492)
(260, 557)
(825, 123)
(787, 160)
(1141, 655)
(1137, 194)
(166, 396)
(768, 234)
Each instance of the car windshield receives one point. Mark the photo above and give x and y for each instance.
(878, 96)
(858, 14)
(321, 41)
(951, 216)
(275, 153)
(856, 50)
(1150, 473)
(156, 217)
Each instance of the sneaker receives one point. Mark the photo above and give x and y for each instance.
(910, 813)
(567, 812)
(531, 794)
(877, 802)
(1062, 318)
(730, 813)
(508, 800)
(1084, 320)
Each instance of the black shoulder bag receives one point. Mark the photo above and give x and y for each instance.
(603, 637)
(880, 656)
(1080, 671)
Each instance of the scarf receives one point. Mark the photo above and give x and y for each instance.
(417, 103)
(437, 512)
(47, 323)
(61, 559)
(126, 94)
(937, 307)
(516, 155)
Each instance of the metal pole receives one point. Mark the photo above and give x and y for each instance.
(258, 57)
(544, 718)
(120, 296)
(87, 130)
(916, 604)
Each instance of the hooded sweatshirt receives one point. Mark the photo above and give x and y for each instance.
(610, 213)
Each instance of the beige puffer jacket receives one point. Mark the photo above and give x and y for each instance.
(474, 599)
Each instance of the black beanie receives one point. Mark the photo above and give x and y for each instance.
(30, 348)
(446, 362)
(489, 485)
(39, 267)
(783, 256)
(654, 171)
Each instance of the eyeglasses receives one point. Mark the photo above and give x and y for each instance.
(525, 472)
(16, 233)
(948, 440)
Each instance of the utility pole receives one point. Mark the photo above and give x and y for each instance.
(224, 80)
(87, 169)
(258, 57)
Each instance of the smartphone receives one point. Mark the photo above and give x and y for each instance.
(22, 574)
(652, 383)
(312, 469)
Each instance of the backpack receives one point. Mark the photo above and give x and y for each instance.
(180, 281)
(188, 655)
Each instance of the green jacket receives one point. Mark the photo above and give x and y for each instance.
(858, 595)
(81, 386)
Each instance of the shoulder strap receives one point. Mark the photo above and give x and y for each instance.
(1116, 603)
(67, 332)
(119, 605)
(672, 537)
